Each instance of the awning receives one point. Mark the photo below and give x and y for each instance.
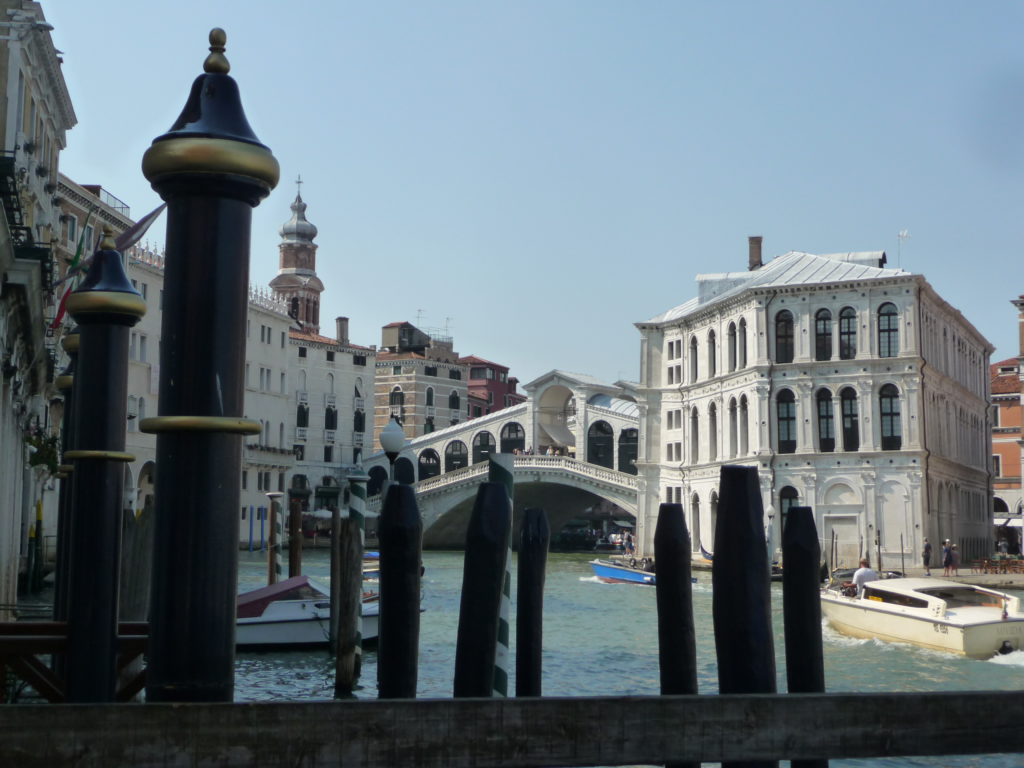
(1014, 522)
(560, 434)
(624, 523)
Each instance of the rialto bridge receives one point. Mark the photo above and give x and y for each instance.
(574, 441)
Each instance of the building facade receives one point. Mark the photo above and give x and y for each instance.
(852, 388)
(490, 387)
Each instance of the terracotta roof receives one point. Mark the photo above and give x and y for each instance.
(481, 361)
(318, 339)
(1005, 383)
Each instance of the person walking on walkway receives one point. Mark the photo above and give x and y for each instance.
(947, 558)
(926, 555)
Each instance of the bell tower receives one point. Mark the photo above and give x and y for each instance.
(296, 280)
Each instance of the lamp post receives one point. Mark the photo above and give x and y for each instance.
(392, 440)
(274, 550)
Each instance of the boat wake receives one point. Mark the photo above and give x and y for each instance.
(1015, 659)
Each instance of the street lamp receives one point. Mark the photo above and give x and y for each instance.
(392, 440)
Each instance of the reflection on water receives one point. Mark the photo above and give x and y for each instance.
(601, 640)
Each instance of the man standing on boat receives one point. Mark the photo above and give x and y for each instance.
(863, 575)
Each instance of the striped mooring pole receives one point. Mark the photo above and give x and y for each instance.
(275, 568)
(501, 469)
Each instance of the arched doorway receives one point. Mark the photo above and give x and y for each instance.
(429, 464)
(483, 446)
(628, 440)
(513, 438)
(601, 444)
(455, 456)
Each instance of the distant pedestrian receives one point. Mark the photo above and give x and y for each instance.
(947, 558)
(629, 543)
(926, 555)
(954, 555)
(1004, 546)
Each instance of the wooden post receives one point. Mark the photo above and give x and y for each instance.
(401, 540)
(106, 306)
(483, 581)
(741, 599)
(801, 609)
(677, 644)
(212, 171)
(347, 584)
(533, 554)
(295, 538)
(274, 569)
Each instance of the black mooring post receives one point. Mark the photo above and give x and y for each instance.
(483, 578)
(533, 556)
(801, 609)
(65, 383)
(741, 597)
(677, 643)
(211, 170)
(105, 307)
(400, 534)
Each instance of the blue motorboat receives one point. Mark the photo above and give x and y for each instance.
(629, 572)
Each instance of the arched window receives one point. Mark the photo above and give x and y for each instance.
(712, 355)
(847, 333)
(302, 415)
(430, 397)
(888, 331)
(733, 427)
(889, 410)
(693, 359)
(851, 428)
(785, 408)
(601, 444)
(331, 418)
(694, 435)
(712, 432)
(359, 421)
(788, 498)
(513, 438)
(730, 351)
(714, 517)
(826, 421)
(483, 446)
(823, 335)
(453, 401)
(429, 464)
(397, 397)
(628, 442)
(741, 344)
(280, 435)
(455, 456)
(330, 383)
(695, 516)
(784, 337)
(742, 429)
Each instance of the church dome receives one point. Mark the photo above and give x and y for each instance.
(297, 228)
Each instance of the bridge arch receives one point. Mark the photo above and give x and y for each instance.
(483, 446)
(429, 464)
(601, 444)
(513, 438)
(455, 456)
(629, 440)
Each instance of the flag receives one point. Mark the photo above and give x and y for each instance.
(72, 271)
(133, 234)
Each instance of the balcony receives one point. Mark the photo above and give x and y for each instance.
(396, 411)
(330, 401)
(359, 404)
(329, 435)
(302, 397)
(300, 433)
(357, 439)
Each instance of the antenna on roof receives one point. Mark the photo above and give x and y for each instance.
(904, 234)
(419, 317)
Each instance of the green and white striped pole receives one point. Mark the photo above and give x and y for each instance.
(501, 469)
(357, 511)
(274, 566)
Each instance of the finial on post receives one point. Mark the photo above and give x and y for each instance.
(217, 62)
(107, 242)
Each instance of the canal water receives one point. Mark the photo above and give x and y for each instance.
(601, 640)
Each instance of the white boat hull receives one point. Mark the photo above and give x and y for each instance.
(977, 631)
(297, 624)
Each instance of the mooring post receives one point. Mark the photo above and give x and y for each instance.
(483, 582)
(295, 538)
(347, 606)
(64, 382)
(801, 609)
(212, 171)
(105, 306)
(274, 568)
(533, 556)
(741, 590)
(401, 540)
(501, 469)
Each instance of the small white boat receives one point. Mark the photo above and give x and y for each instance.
(942, 615)
(294, 613)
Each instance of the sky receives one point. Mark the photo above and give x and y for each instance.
(537, 176)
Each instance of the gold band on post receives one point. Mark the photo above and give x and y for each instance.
(94, 302)
(205, 155)
(66, 468)
(108, 455)
(159, 424)
(64, 382)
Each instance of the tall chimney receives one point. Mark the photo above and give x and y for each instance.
(754, 260)
(342, 329)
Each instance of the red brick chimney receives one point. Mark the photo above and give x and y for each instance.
(754, 244)
(342, 329)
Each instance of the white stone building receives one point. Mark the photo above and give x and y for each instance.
(854, 389)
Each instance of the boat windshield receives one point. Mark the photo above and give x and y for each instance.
(894, 598)
(964, 597)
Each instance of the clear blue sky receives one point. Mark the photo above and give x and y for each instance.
(548, 173)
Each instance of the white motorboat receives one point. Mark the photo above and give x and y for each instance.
(294, 613)
(942, 615)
